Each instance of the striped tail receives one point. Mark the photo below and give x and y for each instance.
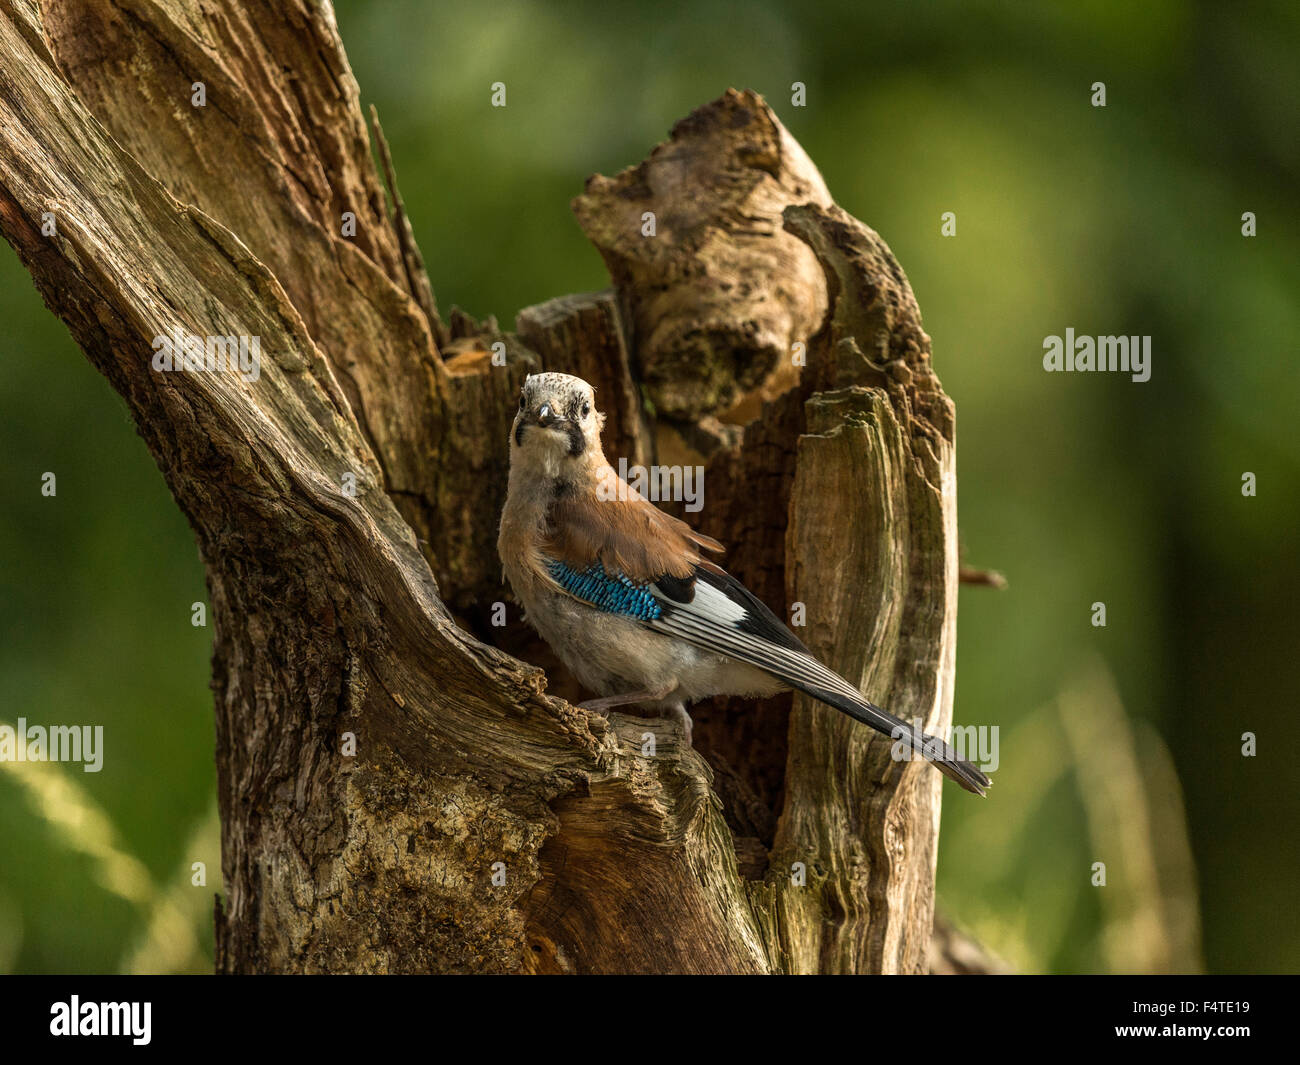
(931, 748)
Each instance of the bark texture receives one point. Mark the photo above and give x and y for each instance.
(345, 505)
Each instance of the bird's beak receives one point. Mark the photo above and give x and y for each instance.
(546, 417)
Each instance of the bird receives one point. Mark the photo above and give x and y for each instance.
(628, 597)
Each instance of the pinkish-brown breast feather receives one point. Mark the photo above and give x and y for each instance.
(627, 535)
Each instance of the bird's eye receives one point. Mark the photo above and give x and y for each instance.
(521, 401)
(586, 409)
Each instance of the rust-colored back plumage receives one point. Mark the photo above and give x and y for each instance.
(618, 527)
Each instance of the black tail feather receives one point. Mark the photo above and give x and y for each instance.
(930, 748)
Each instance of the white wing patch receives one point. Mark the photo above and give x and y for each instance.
(712, 604)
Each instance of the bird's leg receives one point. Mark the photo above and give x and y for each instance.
(683, 718)
(650, 695)
(677, 711)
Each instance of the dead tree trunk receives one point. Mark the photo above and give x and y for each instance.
(345, 505)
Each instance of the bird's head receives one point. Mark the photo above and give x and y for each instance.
(557, 424)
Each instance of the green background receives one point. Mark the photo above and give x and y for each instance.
(1123, 219)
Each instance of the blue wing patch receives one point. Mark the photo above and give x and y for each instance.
(611, 592)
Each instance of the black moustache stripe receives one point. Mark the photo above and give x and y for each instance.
(577, 442)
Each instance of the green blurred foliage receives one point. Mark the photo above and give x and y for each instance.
(1117, 220)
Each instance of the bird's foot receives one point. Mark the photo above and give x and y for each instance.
(591, 704)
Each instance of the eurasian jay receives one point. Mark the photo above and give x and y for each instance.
(625, 597)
